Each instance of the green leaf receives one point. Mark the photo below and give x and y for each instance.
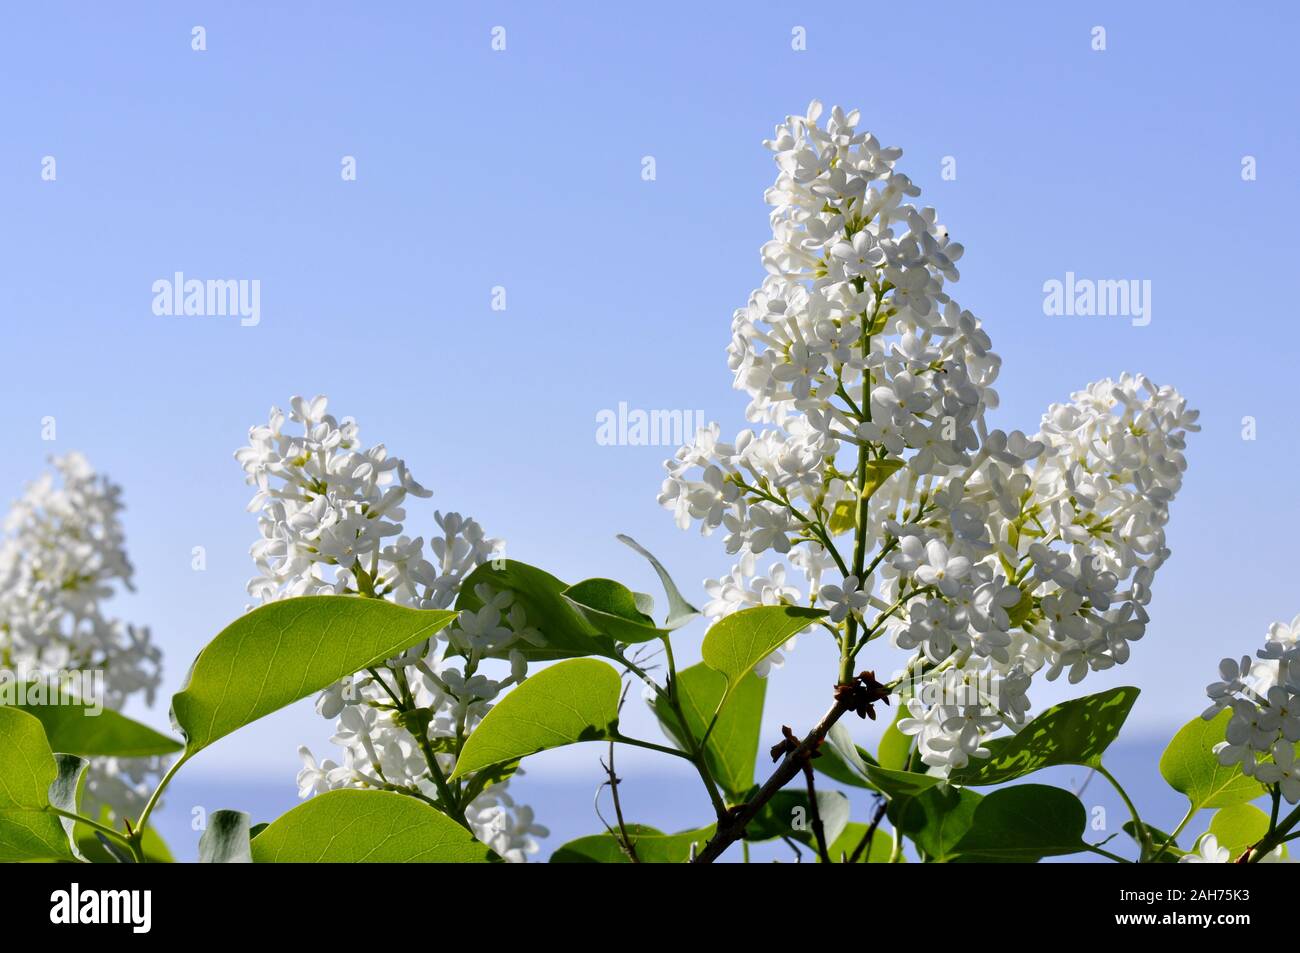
(844, 756)
(786, 814)
(1158, 838)
(28, 770)
(841, 760)
(65, 792)
(738, 642)
(1023, 823)
(98, 732)
(351, 827)
(936, 820)
(679, 610)
(652, 847)
(568, 702)
(611, 608)
(1073, 732)
(288, 650)
(226, 840)
(895, 748)
(1191, 767)
(567, 633)
(877, 852)
(897, 785)
(1239, 826)
(732, 748)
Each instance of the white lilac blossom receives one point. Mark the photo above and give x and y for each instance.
(1264, 698)
(63, 555)
(331, 515)
(869, 463)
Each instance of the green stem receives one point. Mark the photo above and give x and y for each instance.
(95, 825)
(1187, 818)
(651, 746)
(1144, 836)
(695, 755)
(1105, 853)
(136, 839)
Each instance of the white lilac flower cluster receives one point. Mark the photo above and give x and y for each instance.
(990, 556)
(62, 556)
(331, 523)
(1264, 697)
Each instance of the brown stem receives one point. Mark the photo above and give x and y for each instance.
(869, 836)
(733, 828)
(624, 839)
(815, 814)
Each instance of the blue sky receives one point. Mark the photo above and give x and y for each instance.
(522, 169)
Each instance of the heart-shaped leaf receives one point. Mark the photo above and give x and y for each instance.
(1239, 826)
(1191, 767)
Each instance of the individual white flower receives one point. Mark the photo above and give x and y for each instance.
(844, 599)
(941, 569)
(1282, 771)
(1207, 851)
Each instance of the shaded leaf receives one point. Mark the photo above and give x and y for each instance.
(611, 608)
(94, 732)
(936, 820)
(1024, 823)
(567, 633)
(226, 839)
(900, 784)
(1158, 838)
(1073, 732)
